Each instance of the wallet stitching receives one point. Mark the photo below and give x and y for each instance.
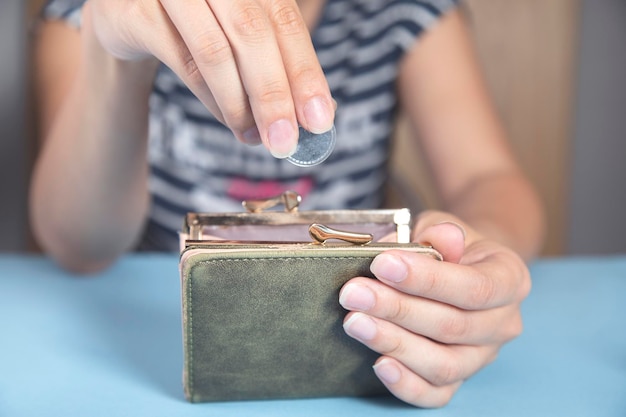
(190, 370)
(190, 377)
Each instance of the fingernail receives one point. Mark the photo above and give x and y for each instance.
(360, 327)
(357, 297)
(389, 267)
(318, 115)
(283, 138)
(461, 228)
(252, 136)
(388, 372)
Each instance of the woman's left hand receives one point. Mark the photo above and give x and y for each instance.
(437, 323)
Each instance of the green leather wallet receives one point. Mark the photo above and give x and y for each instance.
(261, 318)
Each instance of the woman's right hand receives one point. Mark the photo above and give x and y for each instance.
(250, 62)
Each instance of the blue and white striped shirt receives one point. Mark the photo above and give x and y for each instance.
(197, 165)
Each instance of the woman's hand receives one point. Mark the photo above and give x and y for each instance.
(437, 323)
(250, 62)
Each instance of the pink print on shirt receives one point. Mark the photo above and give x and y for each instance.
(245, 189)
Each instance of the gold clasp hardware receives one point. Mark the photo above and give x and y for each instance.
(321, 234)
(290, 199)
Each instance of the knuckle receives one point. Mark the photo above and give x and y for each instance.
(191, 72)
(211, 49)
(237, 116)
(288, 20)
(250, 23)
(153, 12)
(274, 92)
(454, 328)
(449, 372)
(306, 74)
(428, 283)
(398, 311)
(392, 347)
(483, 293)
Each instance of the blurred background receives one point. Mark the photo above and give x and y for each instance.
(556, 69)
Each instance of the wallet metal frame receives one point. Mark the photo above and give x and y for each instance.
(195, 223)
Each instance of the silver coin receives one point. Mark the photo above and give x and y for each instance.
(313, 149)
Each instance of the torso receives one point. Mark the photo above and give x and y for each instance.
(197, 164)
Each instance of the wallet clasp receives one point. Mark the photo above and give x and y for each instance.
(290, 199)
(321, 234)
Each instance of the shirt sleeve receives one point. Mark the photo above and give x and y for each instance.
(415, 17)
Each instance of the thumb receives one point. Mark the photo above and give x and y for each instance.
(443, 232)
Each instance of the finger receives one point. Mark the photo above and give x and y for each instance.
(168, 47)
(314, 105)
(437, 363)
(261, 68)
(437, 321)
(210, 62)
(498, 280)
(410, 387)
(447, 237)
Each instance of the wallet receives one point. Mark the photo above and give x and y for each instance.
(260, 291)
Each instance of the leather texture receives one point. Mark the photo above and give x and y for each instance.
(268, 324)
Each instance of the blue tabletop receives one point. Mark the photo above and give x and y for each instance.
(111, 345)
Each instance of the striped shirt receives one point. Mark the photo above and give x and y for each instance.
(197, 165)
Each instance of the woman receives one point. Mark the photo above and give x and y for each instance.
(178, 81)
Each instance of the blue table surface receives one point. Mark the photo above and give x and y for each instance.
(111, 345)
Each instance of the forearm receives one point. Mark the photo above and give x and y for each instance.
(464, 144)
(89, 192)
(503, 207)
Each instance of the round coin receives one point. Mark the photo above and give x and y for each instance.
(313, 149)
